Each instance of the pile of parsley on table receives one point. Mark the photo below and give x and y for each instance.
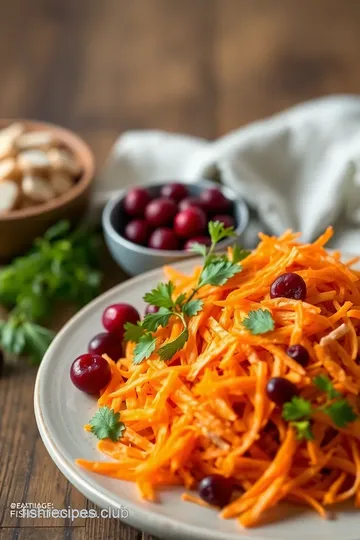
(61, 266)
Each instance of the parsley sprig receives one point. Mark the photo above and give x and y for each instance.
(105, 424)
(61, 266)
(299, 411)
(259, 321)
(217, 270)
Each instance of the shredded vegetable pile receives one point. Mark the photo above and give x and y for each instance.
(206, 411)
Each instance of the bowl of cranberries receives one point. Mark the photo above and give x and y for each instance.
(147, 227)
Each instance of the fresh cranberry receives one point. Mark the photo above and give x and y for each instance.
(225, 219)
(216, 489)
(280, 390)
(175, 191)
(138, 231)
(190, 202)
(163, 238)
(160, 212)
(151, 309)
(136, 201)
(90, 373)
(205, 240)
(116, 315)
(299, 354)
(288, 285)
(106, 343)
(190, 222)
(214, 201)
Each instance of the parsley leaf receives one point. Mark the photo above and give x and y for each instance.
(298, 411)
(218, 273)
(218, 232)
(133, 332)
(303, 430)
(297, 408)
(161, 296)
(259, 321)
(238, 253)
(323, 383)
(340, 412)
(144, 348)
(105, 424)
(167, 351)
(152, 321)
(192, 308)
(198, 248)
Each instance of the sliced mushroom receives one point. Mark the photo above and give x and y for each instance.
(8, 168)
(41, 140)
(61, 182)
(37, 189)
(32, 160)
(63, 160)
(9, 195)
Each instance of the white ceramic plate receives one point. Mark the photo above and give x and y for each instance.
(61, 412)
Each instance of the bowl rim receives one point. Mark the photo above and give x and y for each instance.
(176, 253)
(80, 148)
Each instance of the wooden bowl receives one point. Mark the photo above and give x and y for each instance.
(19, 228)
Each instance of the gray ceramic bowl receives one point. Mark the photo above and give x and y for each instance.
(135, 259)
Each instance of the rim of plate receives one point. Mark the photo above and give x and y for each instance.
(139, 517)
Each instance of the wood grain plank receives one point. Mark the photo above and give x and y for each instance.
(149, 65)
(26, 468)
(271, 55)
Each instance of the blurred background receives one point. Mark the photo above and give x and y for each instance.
(197, 66)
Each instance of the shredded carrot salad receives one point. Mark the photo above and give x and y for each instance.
(206, 410)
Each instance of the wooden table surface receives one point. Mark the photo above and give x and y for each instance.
(104, 66)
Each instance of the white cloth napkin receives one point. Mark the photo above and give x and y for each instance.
(299, 169)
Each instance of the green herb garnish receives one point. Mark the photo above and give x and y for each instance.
(105, 424)
(60, 267)
(259, 321)
(299, 411)
(217, 270)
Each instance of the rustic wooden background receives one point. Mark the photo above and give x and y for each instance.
(105, 66)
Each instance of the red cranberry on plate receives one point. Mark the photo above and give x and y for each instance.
(216, 489)
(160, 212)
(90, 373)
(163, 238)
(280, 390)
(299, 354)
(214, 201)
(175, 191)
(115, 316)
(138, 231)
(190, 222)
(288, 285)
(106, 343)
(136, 201)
